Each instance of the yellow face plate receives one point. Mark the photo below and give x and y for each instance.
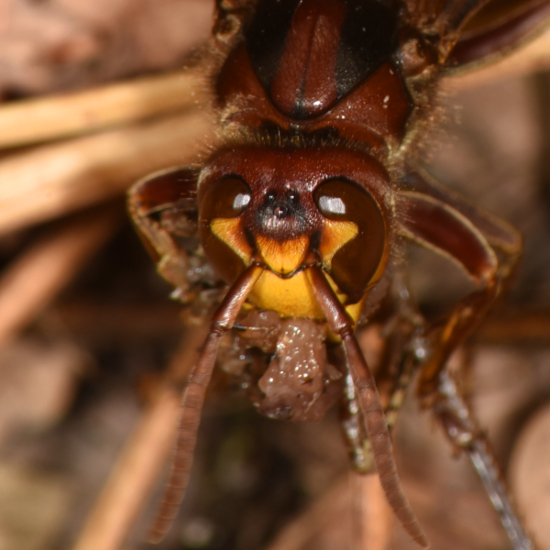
(229, 230)
(283, 257)
(294, 297)
(291, 296)
(335, 235)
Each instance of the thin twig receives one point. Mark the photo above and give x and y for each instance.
(39, 120)
(305, 527)
(100, 321)
(355, 504)
(54, 180)
(516, 328)
(375, 517)
(33, 279)
(142, 460)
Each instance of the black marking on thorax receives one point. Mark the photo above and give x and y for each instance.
(368, 38)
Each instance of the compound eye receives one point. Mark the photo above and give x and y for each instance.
(220, 228)
(354, 260)
(226, 198)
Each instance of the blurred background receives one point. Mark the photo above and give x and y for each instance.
(94, 96)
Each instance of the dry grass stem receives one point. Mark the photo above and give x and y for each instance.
(355, 507)
(98, 321)
(299, 533)
(133, 476)
(54, 180)
(375, 517)
(38, 120)
(34, 279)
(519, 329)
(530, 475)
(142, 460)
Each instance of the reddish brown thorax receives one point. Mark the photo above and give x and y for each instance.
(325, 64)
